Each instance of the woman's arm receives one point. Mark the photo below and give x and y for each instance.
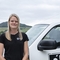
(1, 52)
(25, 51)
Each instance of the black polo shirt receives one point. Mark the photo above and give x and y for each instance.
(13, 49)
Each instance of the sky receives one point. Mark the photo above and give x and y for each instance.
(30, 12)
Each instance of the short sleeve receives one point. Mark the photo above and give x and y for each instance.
(2, 38)
(25, 37)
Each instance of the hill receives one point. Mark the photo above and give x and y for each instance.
(4, 24)
(23, 27)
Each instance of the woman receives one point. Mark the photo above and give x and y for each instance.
(13, 41)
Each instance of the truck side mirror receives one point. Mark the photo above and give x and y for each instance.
(47, 45)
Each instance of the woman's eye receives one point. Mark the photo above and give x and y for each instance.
(14, 21)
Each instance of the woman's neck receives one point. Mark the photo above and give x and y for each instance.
(13, 31)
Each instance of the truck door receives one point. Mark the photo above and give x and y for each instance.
(51, 54)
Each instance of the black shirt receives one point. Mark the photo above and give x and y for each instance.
(13, 49)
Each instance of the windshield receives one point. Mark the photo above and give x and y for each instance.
(35, 31)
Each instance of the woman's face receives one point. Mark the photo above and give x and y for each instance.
(13, 23)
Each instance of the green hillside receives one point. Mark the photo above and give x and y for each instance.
(23, 27)
(4, 24)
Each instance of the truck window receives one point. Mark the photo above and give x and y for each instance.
(35, 31)
(53, 34)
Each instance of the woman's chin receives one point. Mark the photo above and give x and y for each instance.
(13, 27)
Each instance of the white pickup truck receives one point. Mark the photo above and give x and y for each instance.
(44, 42)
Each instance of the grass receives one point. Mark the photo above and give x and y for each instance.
(3, 29)
(23, 29)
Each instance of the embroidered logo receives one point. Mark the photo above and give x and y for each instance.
(18, 38)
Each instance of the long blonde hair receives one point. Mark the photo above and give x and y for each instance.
(7, 33)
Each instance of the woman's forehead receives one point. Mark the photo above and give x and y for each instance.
(13, 17)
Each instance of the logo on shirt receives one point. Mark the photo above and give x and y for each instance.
(18, 38)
